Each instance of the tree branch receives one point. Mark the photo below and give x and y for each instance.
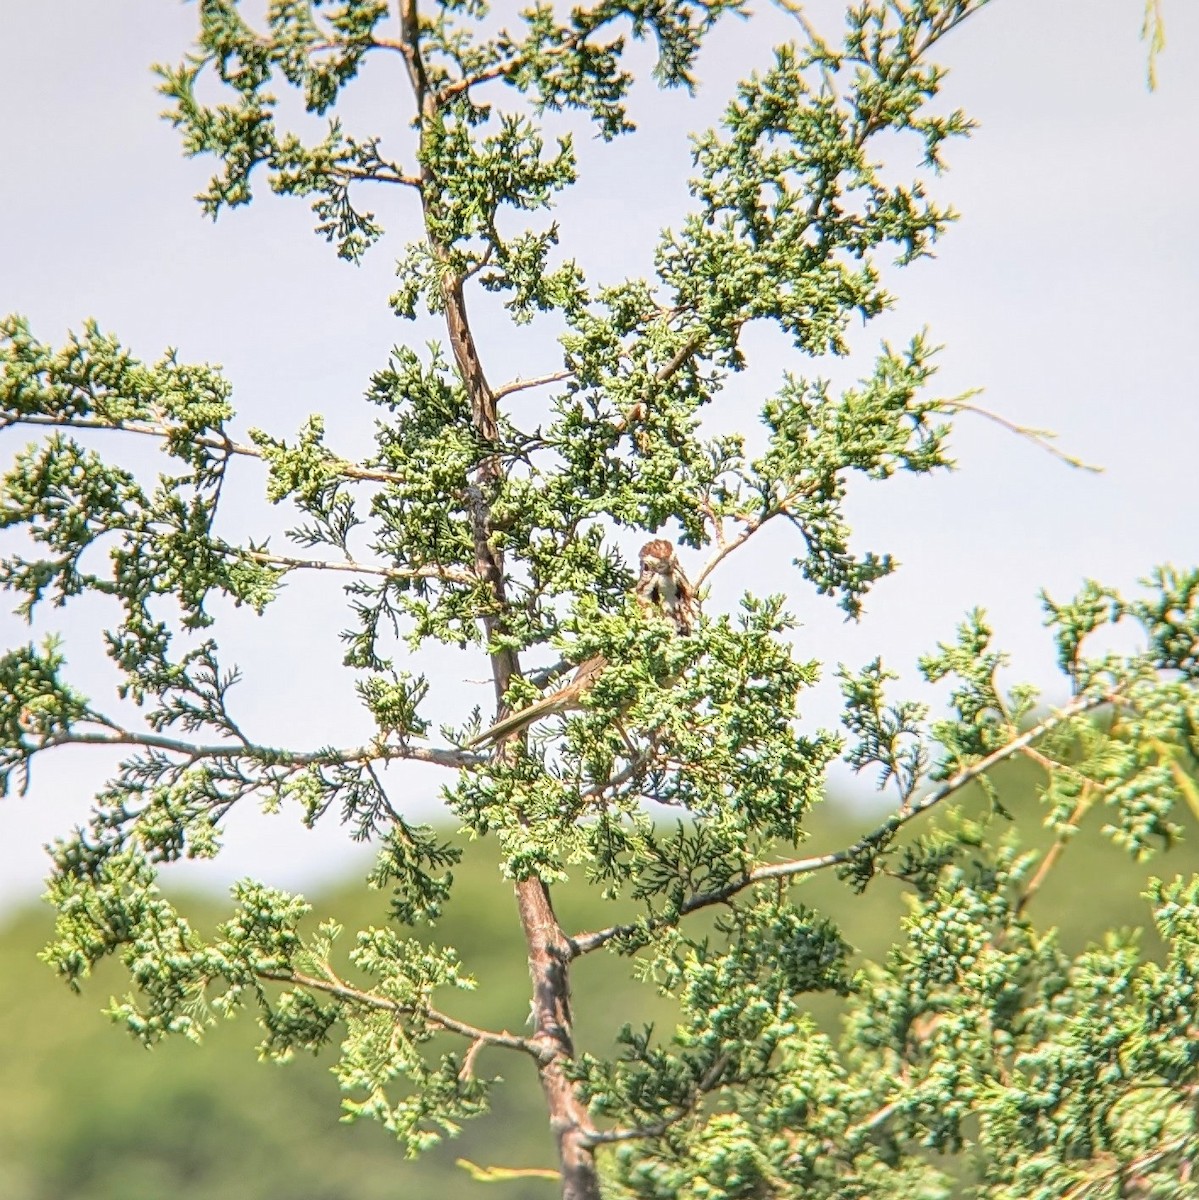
(343, 991)
(548, 950)
(267, 755)
(288, 563)
(586, 942)
(520, 385)
(152, 429)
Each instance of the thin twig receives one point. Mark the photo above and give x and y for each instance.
(502, 69)
(343, 991)
(1122, 1169)
(149, 429)
(868, 1124)
(269, 755)
(289, 563)
(363, 176)
(1055, 851)
(681, 355)
(635, 767)
(796, 10)
(726, 547)
(817, 43)
(1039, 437)
(520, 385)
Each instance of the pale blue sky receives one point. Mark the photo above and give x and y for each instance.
(1067, 291)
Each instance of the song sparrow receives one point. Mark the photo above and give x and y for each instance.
(661, 583)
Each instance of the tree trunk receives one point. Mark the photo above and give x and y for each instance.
(549, 953)
(549, 958)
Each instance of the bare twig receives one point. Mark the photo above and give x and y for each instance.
(1093, 1181)
(681, 355)
(363, 176)
(818, 44)
(795, 8)
(1055, 851)
(502, 69)
(725, 547)
(635, 767)
(876, 1119)
(520, 385)
(1039, 437)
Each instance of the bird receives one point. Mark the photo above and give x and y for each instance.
(662, 584)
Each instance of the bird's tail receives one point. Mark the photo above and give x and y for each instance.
(515, 722)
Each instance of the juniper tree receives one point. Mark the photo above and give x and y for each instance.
(681, 786)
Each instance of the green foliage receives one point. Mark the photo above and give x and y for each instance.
(197, 1123)
(474, 524)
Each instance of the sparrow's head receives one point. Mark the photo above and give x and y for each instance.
(658, 556)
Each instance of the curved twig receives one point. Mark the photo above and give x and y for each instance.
(343, 991)
(1039, 437)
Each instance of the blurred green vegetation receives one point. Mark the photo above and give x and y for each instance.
(88, 1114)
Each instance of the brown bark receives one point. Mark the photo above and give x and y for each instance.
(549, 958)
(548, 947)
